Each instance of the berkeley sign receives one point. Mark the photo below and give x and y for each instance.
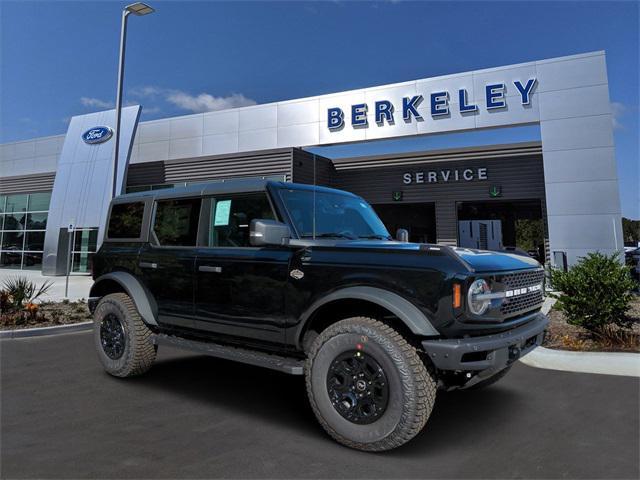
(384, 110)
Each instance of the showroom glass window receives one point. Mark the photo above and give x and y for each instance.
(23, 222)
(84, 246)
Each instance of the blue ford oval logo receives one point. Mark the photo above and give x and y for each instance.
(97, 135)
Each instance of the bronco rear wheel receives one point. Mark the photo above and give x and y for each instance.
(367, 385)
(122, 339)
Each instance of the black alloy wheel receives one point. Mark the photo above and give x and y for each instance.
(123, 341)
(112, 336)
(358, 387)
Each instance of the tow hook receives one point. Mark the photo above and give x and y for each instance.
(514, 352)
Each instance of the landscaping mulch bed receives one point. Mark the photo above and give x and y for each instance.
(563, 336)
(560, 334)
(49, 314)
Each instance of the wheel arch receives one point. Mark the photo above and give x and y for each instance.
(373, 300)
(124, 282)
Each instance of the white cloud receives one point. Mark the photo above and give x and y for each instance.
(205, 102)
(617, 110)
(95, 103)
(151, 110)
(146, 91)
(151, 98)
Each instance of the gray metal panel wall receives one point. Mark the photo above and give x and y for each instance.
(520, 176)
(446, 223)
(42, 182)
(83, 184)
(150, 173)
(304, 164)
(254, 164)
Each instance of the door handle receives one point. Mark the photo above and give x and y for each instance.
(148, 265)
(206, 268)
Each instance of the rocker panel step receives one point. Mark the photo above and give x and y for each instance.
(292, 366)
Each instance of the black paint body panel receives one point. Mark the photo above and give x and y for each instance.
(250, 295)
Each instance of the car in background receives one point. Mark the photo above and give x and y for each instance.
(632, 259)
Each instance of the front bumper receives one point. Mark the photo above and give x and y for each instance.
(487, 354)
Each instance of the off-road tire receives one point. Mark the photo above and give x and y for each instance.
(412, 390)
(491, 380)
(139, 351)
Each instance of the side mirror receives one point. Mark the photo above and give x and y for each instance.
(402, 235)
(268, 232)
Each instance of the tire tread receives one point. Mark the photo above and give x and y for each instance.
(425, 387)
(142, 351)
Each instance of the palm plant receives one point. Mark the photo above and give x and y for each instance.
(21, 291)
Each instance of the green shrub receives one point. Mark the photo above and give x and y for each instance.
(595, 293)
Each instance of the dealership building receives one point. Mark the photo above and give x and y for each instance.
(556, 198)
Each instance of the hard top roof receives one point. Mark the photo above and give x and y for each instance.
(224, 187)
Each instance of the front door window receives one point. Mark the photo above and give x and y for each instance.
(231, 217)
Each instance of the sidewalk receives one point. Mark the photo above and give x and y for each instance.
(79, 285)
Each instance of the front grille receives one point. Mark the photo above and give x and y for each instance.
(522, 279)
(524, 302)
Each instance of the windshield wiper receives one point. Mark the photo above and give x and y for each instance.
(330, 235)
(375, 237)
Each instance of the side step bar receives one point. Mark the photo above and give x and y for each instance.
(292, 366)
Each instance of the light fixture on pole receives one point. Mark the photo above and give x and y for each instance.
(138, 9)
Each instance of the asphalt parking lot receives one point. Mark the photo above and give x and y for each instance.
(195, 417)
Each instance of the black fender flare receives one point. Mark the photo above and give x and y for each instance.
(410, 315)
(142, 298)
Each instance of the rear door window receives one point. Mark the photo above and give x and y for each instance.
(176, 222)
(126, 220)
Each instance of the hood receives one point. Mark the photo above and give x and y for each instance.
(476, 260)
(486, 261)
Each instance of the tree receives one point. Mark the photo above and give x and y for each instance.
(630, 230)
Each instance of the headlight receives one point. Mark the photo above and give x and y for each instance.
(477, 304)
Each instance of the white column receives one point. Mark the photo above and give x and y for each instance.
(581, 182)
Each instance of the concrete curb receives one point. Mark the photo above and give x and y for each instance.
(607, 363)
(549, 302)
(42, 331)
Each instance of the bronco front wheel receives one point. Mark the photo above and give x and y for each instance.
(367, 385)
(121, 338)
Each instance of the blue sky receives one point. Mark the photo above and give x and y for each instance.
(59, 59)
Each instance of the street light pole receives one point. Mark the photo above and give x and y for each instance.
(137, 9)
(123, 41)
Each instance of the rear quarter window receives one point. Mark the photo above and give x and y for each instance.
(126, 220)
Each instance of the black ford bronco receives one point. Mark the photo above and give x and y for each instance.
(307, 280)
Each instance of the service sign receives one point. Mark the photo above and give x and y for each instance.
(97, 135)
(445, 176)
(440, 104)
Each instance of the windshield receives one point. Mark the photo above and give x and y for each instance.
(336, 215)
